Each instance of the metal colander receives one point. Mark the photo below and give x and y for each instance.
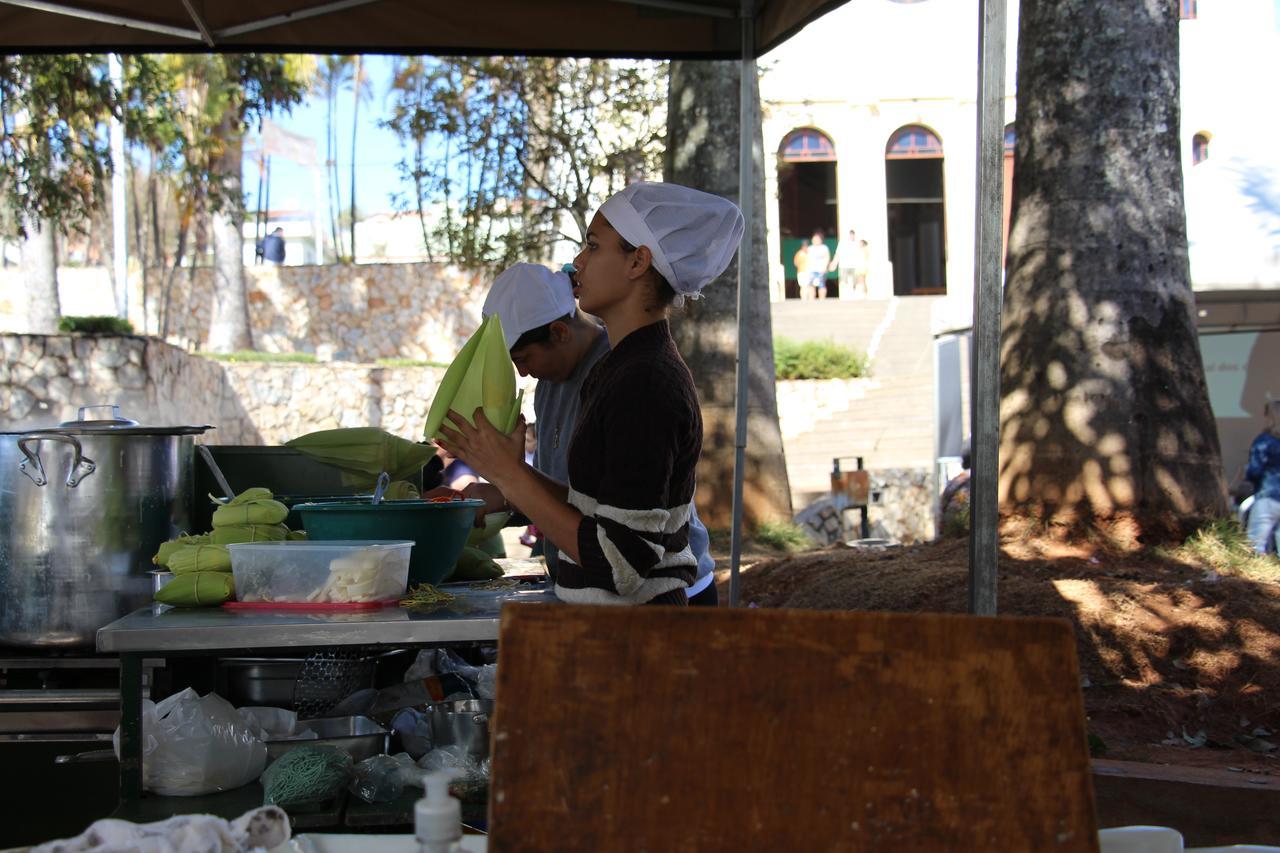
(327, 677)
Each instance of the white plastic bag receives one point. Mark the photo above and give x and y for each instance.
(275, 724)
(193, 744)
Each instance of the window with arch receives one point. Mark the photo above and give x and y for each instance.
(913, 141)
(1199, 148)
(1188, 9)
(807, 146)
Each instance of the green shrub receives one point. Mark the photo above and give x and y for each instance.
(782, 535)
(254, 355)
(96, 325)
(816, 360)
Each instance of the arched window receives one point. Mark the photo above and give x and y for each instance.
(807, 146)
(1199, 148)
(911, 142)
(1188, 9)
(1010, 140)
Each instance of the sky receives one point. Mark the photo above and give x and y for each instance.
(292, 186)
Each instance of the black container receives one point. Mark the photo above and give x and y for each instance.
(290, 474)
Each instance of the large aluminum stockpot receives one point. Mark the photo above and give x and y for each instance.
(83, 507)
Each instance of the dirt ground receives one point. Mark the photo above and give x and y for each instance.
(1179, 664)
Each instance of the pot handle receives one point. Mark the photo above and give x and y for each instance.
(480, 719)
(81, 466)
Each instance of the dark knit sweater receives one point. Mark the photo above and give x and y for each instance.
(631, 474)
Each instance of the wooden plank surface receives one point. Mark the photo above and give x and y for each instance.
(667, 729)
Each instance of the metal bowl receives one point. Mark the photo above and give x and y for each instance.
(464, 722)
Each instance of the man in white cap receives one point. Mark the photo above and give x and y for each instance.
(622, 522)
(555, 343)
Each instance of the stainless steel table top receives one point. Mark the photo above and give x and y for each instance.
(471, 617)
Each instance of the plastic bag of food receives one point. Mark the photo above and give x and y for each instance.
(307, 775)
(383, 778)
(193, 744)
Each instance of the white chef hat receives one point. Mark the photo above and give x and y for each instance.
(526, 296)
(691, 234)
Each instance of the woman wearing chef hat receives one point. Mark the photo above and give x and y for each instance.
(622, 521)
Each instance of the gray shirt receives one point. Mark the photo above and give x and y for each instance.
(555, 411)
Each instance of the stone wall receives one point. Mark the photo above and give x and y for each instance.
(342, 312)
(44, 379)
(903, 511)
(802, 403)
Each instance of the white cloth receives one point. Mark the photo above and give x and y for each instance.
(692, 235)
(526, 296)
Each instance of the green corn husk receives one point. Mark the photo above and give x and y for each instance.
(262, 511)
(168, 548)
(198, 589)
(257, 493)
(248, 533)
(475, 565)
(200, 558)
(297, 536)
(362, 453)
(480, 377)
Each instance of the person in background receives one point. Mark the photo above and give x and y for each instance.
(845, 262)
(819, 258)
(622, 522)
(1263, 473)
(273, 246)
(801, 262)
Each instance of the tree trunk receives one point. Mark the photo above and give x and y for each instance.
(702, 152)
(229, 330)
(1105, 416)
(39, 263)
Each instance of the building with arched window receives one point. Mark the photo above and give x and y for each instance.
(878, 134)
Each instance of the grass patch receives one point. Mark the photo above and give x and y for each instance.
(817, 360)
(408, 362)
(105, 325)
(254, 355)
(1223, 546)
(783, 536)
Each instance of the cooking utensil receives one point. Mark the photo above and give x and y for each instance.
(216, 471)
(380, 488)
(463, 722)
(329, 676)
(83, 507)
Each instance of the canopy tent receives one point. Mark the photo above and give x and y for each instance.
(705, 29)
(666, 29)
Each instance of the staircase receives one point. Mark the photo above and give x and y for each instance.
(892, 425)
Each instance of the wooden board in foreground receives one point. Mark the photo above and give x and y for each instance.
(666, 729)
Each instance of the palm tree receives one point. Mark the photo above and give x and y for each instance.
(334, 75)
(361, 90)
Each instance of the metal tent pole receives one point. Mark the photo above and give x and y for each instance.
(984, 542)
(746, 199)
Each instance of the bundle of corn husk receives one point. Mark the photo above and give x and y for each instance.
(361, 454)
(480, 377)
(202, 564)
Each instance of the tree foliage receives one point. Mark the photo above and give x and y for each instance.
(515, 152)
(53, 154)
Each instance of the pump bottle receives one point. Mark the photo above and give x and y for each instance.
(437, 817)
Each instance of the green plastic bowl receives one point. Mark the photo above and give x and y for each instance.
(439, 530)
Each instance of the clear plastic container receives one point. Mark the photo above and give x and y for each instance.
(332, 572)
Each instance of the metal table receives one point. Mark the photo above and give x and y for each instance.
(471, 617)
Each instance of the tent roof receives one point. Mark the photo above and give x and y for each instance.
(697, 29)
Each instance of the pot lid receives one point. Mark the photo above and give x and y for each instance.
(107, 418)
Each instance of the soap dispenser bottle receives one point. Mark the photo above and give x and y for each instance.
(437, 817)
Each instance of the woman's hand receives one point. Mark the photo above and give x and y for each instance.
(492, 455)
